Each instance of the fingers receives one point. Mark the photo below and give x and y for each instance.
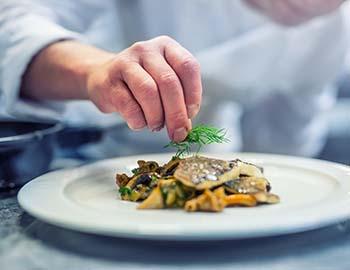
(152, 83)
(188, 70)
(145, 91)
(125, 104)
(171, 94)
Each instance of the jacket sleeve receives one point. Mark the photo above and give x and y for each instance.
(26, 27)
(272, 58)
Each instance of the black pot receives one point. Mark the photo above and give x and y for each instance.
(26, 151)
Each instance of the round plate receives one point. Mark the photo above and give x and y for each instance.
(313, 194)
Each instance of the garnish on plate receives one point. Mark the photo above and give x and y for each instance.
(196, 183)
(198, 137)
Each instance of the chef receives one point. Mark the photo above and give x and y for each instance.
(266, 67)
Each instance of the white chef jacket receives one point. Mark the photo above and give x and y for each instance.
(270, 86)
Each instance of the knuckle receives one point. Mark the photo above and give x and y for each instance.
(147, 88)
(169, 80)
(114, 72)
(165, 38)
(165, 41)
(133, 111)
(140, 47)
(190, 65)
(122, 61)
(178, 118)
(122, 102)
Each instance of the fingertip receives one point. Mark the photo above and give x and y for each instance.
(179, 134)
(189, 124)
(137, 125)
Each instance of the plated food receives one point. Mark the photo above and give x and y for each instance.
(196, 183)
(85, 199)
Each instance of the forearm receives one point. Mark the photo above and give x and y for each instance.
(59, 71)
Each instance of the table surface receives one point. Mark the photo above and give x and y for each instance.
(27, 243)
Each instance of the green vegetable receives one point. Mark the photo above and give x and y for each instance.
(198, 137)
(135, 170)
(125, 191)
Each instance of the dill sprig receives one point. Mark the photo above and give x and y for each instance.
(198, 137)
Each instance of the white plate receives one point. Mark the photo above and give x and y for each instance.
(313, 194)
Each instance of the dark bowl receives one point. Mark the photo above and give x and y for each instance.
(26, 151)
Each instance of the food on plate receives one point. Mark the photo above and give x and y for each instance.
(196, 183)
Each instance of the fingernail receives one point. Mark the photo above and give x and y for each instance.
(179, 134)
(157, 128)
(137, 125)
(189, 124)
(192, 110)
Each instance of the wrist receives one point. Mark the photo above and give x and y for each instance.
(92, 61)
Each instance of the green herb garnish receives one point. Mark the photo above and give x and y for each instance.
(125, 191)
(198, 137)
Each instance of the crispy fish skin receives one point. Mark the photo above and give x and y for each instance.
(203, 173)
(247, 184)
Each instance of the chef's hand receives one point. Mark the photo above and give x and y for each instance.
(292, 12)
(152, 83)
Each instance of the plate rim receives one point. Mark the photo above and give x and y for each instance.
(341, 214)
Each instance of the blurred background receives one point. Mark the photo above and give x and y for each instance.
(277, 83)
(275, 88)
(337, 147)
